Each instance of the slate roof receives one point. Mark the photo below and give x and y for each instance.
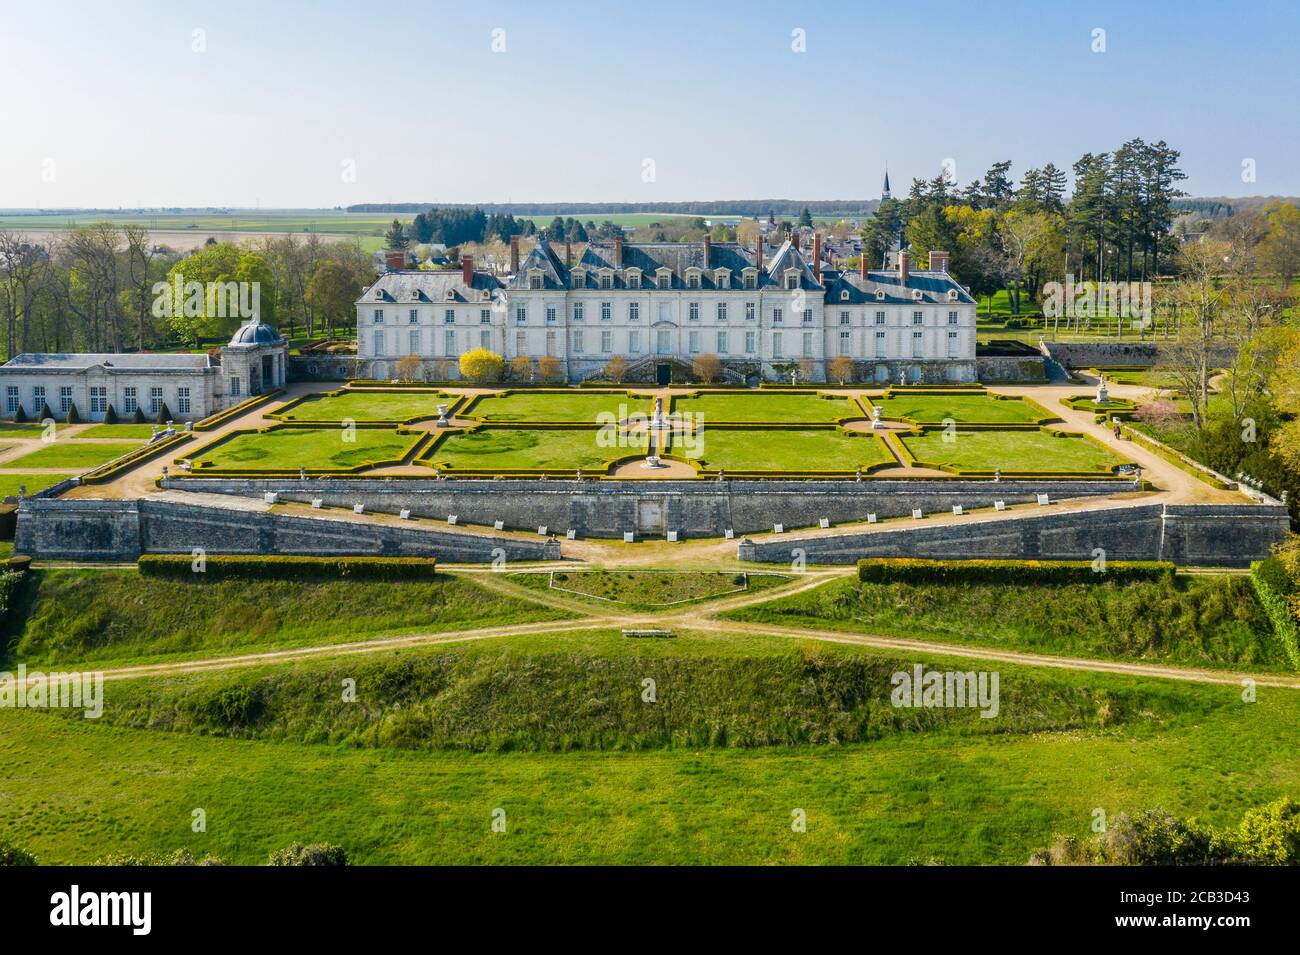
(119, 362)
(424, 286)
(934, 288)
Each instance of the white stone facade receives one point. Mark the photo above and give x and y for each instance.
(661, 303)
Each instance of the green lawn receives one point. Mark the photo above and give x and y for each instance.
(1196, 621)
(119, 615)
(369, 406)
(79, 789)
(964, 409)
(558, 407)
(11, 430)
(142, 431)
(823, 449)
(309, 448)
(547, 448)
(67, 453)
(647, 588)
(1009, 451)
(9, 483)
(799, 407)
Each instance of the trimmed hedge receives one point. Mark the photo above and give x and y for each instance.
(115, 468)
(1273, 587)
(916, 570)
(222, 417)
(258, 566)
(1176, 458)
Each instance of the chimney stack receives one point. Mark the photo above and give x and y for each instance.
(758, 255)
(568, 253)
(938, 261)
(394, 259)
(467, 270)
(708, 250)
(514, 255)
(817, 257)
(862, 263)
(618, 251)
(904, 261)
(794, 238)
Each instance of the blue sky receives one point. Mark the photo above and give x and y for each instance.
(109, 104)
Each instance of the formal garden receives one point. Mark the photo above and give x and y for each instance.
(964, 407)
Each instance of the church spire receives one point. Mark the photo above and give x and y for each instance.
(884, 194)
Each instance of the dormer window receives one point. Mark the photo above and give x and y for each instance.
(952, 295)
(750, 278)
(633, 278)
(880, 295)
(916, 295)
(692, 278)
(379, 294)
(844, 295)
(415, 295)
(664, 278)
(535, 278)
(579, 278)
(722, 278)
(792, 279)
(451, 295)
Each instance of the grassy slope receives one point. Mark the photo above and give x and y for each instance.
(1009, 450)
(75, 790)
(119, 616)
(646, 589)
(1203, 621)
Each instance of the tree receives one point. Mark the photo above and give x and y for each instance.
(1284, 384)
(1271, 833)
(707, 368)
(11, 855)
(1192, 357)
(1280, 248)
(332, 293)
(164, 414)
(805, 218)
(72, 417)
(842, 369)
(409, 368)
(317, 854)
(616, 369)
(521, 368)
(481, 365)
(396, 237)
(219, 286)
(549, 368)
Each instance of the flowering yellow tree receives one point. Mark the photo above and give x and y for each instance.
(481, 365)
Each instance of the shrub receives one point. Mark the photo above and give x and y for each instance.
(73, 417)
(257, 566)
(110, 416)
(138, 417)
(20, 416)
(1274, 588)
(46, 413)
(1271, 834)
(164, 414)
(319, 853)
(842, 369)
(888, 570)
(409, 368)
(521, 368)
(11, 855)
(180, 857)
(481, 365)
(707, 368)
(616, 369)
(549, 368)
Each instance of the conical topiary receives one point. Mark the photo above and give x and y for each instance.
(73, 417)
(163, 414)
(46, 413)
(20, 415)
(110, 416)
(139, 417)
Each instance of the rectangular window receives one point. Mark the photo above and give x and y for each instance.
(606, 311)
(750, 311)
(807, 345)
(633, 311)
(182, 401)
(952, 344)
(521, 343)
(880, 318)
(807, 316)
(38, 399)
(11, 400)
(918, 318)
(578, 311)
(952, 318)
(521, 314)
(777, 317)
(379, 344)
(551, 317)
(750, 339)
(880, 345)
(606, 280)
(844, 318)
(722, 343)
(693, 311)
(484, 339)
(98, 399)
(694, 339)
(128, 403)
(844, 342)
(414, 346)
(379, 316)
(485, 316)
(634, 342)
(65, 398)
(579, 343)
(722, 311)
(155, 400)
(606, 341)
(550, 343)
(918, 344)
(449, 343)
(449, 317)
(777, 350)
(413, 317)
